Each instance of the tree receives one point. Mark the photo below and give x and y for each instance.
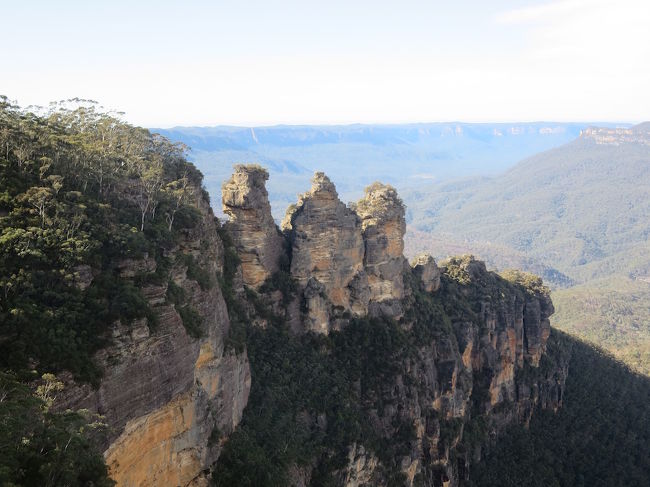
(39, 198)
(180, 192)
(148, 183)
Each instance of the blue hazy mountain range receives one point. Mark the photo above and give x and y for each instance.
(353, 156)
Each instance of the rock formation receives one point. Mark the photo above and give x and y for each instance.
(427, 272)
(383, 226)
(347, 259)
(163, 392)
(470, 375)
(251, 225)
(172, 399)
(348, 262)
(327, 246)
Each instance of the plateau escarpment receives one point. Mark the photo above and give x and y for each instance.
(170, 393)
(244, 354)
(433, 360)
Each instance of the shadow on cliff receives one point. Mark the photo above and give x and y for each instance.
(600, 437)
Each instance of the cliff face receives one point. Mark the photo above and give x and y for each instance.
(465, 362)
(639, 134)
(433, 361)
(483, 371)
(327, 252)
(383, 225)
(170, 399)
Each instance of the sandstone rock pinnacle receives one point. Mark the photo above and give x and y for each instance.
(383, 226)
(255, 235)
(327, 245)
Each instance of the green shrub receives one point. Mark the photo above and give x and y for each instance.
(192, 321)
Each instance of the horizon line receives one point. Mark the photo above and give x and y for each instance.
(390, 124)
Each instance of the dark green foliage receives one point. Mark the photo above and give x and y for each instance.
(192, 320)
(312, 395)
(600, 436)
(82, 191)
(215, 436)
(426, 312)
(43, 448)
(175, 293)
(449, 430)
(236, 338)
(196, 272)
(298, 379)
(83, 198)
(283, 282)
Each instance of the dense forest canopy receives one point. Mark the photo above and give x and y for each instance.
(600, 436)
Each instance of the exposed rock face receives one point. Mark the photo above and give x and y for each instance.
(353, 256)
(537, 326)
(427, 271)
(639, 134)
(251, 225)
(327, 246)
(350, 260)
(317, 307)
(171, 400)
(383, 226)
(163, 392)
(467, 372)
(360, 468)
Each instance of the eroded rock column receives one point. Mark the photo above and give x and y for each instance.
(383, 225)
(254, 233)
(327, 246)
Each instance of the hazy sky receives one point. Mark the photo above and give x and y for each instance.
(243, 62)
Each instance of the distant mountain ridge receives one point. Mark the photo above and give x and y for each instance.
(638, 134)
(572, 206)
(406, 155)
(575, 214)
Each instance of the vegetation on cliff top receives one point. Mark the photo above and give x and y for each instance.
(80, 192)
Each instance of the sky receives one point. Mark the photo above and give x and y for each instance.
(168, 63)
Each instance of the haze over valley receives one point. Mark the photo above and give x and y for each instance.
(354, 156)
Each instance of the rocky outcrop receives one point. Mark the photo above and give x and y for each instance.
(255, 235)
(470, 373)
(474, 342)
(469, 364)
(170, 399)
(427, 272)
(360, 468)
(346, 259)
(327, 246)
(383, 226)
(639, 134)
